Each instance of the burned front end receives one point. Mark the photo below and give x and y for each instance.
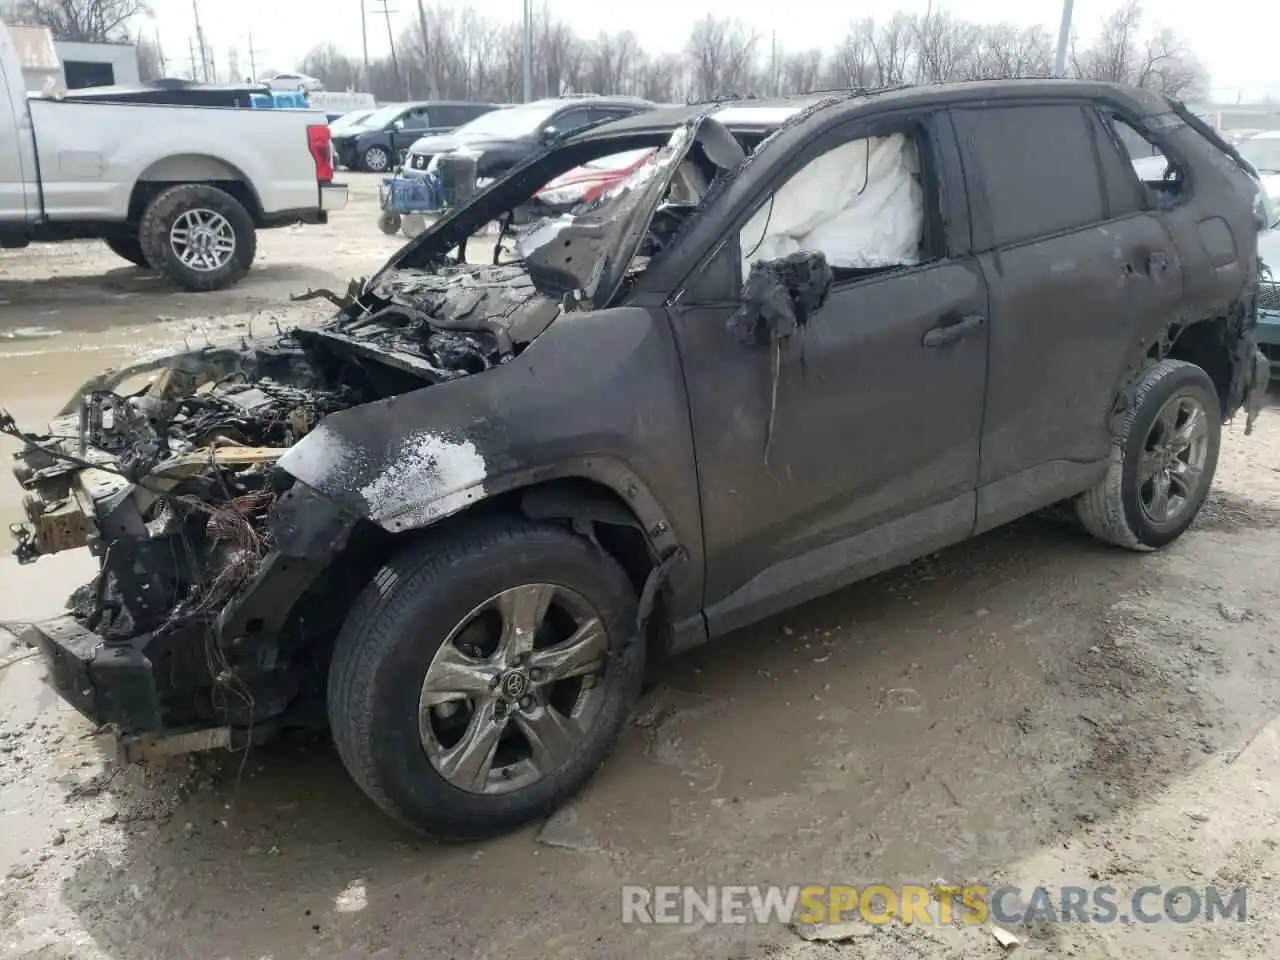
(218, 590)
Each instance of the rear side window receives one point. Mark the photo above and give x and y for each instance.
(1035, 169)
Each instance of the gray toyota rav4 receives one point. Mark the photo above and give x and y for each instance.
(806, 341)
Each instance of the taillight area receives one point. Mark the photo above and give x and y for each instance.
(319, 141)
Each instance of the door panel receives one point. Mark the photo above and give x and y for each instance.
(1064, 312)
(871, 426)
(13, 192)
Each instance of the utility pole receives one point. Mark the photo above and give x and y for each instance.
(253, 59)
(191, 47)
(528, 51)
(395, 63)
(204, 51)
(432, 93)
(364, 40)
(1064, 36)
(773, 65)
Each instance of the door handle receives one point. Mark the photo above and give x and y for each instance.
(946, 333)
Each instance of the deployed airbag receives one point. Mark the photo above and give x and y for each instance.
(860, 204)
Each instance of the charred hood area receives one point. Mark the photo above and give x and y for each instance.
(173, 485)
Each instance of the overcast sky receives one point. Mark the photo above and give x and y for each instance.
(1238, 40)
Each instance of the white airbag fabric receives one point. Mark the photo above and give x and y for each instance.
(861, 204)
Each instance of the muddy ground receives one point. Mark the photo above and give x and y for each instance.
(1029, 708)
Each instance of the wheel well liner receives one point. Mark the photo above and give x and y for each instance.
(192, 168)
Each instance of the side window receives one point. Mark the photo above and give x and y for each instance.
(1160, 176)
(571, 120)
(862, 204)
(608, 113)
(1036, 171)
(416, 120)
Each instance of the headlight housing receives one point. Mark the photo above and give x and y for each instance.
(560, 196)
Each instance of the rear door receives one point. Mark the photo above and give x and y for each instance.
(1076, 270)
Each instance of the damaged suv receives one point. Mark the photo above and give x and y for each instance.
(806, 341)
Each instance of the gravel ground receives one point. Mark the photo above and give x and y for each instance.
(1030, 708)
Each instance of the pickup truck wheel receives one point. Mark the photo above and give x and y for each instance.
(198, 236)
(376, 160)
(1162, 463)
(481, 679)
(128, 248)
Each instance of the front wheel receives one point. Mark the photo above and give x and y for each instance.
(1162, 463)
(198, 236)
(481, 679)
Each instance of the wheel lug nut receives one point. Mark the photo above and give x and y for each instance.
(526, 702)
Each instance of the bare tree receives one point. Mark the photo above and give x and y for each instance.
(892, 47)
(461, 54)
(854, 63)
(1120, 54)
(801, 72)
(326, 62)
(92, 21)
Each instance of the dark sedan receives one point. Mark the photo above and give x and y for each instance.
(378, 142)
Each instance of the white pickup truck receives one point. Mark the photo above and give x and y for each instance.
(181, 190)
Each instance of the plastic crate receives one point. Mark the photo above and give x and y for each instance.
(410, 194)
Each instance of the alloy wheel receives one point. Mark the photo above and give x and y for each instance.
(514, 689)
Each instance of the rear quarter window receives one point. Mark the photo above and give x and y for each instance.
(1035, 170)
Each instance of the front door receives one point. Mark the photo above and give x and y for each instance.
(872, 419)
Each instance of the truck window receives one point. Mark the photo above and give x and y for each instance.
(1031, 171)
(862, 204)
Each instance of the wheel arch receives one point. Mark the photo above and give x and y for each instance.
(1223, 345)
(183, 168)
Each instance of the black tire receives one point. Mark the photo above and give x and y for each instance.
(376, 160)
(389, 223)
(383, 653)
(129, 248)
(165, 210)
(1113, 510)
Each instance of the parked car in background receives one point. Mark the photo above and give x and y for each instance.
(294, 81)
(583, 184)
(1262, 150)
(376, 143)
(1269, 296)
(342, 123)
(181, 190)
(502, 139)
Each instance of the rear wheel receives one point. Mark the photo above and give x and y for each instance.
(198, 236)
(480, 680)
(128, 248)
(1162, 463)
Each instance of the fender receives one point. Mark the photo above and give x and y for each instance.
(598, 396)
